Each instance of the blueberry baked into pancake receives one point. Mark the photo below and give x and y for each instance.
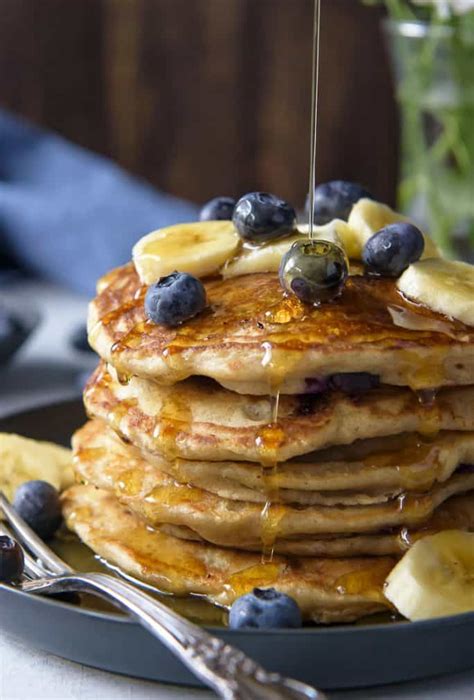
(280, 420)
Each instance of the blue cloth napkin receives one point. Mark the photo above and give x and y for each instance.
(69, 215)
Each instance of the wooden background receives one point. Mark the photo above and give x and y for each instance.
(206, 97)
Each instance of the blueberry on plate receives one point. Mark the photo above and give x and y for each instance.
(260, 217)
(218, 209)
(175, 299)
(334, 200)
(37, 502)
(314, 270)
(264, 608)
(12, 560)
(392, 249)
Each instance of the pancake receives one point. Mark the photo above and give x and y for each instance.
(457, 513)
(412, 464)
(371, 471)
(159, 500)
(327, 590)
(199, 420)
(252, 337)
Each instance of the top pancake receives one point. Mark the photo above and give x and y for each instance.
(252, 337)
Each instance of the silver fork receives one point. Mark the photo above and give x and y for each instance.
(228, 671)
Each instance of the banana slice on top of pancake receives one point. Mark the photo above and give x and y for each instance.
(206, 248)
(444, 286)
(367, 217)
(435, 577)
(267, 258)
(199, 248)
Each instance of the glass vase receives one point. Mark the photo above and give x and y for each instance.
(434, 72)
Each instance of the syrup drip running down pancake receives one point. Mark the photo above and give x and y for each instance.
(199, 420)
(250, 316)
(103, 461)
(219, 457)
(327, 590)
(371, 471)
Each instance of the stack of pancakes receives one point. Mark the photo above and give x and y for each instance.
(265, 443)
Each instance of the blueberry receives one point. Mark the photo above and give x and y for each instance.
(316, 385)
(354, 382)
(37, 502)
(260, 217)
(218, 209)
(12, 560)
(334, 200)
(389, 251)
(175, 299)
(314, 270)
(79, 339)
(264, 608)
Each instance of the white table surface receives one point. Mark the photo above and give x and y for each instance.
(44, 371)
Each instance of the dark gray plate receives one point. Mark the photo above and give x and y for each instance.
(337, 657)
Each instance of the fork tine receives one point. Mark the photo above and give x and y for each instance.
(33, 568)
(27, 538)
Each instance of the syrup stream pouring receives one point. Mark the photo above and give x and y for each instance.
(314, 111)
(269, 471)
(228, 671)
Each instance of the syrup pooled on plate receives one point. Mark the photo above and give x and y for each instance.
(82, 559)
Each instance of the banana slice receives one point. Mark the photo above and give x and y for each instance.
(336, 231)
(367, 217)
(443, 285)
(22, 459)
(435, 577)
(199, 248)
(267, 258)
(264, 258)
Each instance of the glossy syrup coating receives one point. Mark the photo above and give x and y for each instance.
(314, 270)
(228, 340)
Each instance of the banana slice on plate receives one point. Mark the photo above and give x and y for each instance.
(443, 285)
(367, 217)
(435, 577)
(267, 258)
(200, 248)
(22, 459)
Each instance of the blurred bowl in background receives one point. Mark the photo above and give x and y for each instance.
(17, 324)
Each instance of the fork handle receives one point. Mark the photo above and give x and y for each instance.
(232, 674)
